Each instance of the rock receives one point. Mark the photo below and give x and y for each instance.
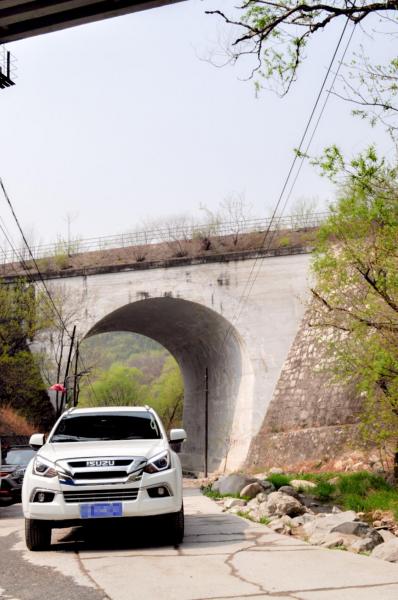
(261, 476)
(336, 510)
(251, 490)
(327, 523)
(281, 525)
(334, 480)
(267, 486)
(259, 512)
(275, 471)
(262, 497)
(367, 543)
(282, 504)
(237, 510)
(232, 484)
(357, 528)
(302, 484)
(387, 551)
(386, 535)
(302, 519)
(330, 540)
(233, 502)
(289, 490)
(252, 504)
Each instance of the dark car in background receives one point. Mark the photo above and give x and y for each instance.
(14, 460)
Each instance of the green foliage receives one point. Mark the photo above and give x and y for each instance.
(264, 520)
(119, 386)
(167, 394)
(284, 241)
(133, 370)
(21, 386)
(356, 293)
(324, 490)
(278, 480)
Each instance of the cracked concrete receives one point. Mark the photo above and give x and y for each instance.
(223, 557)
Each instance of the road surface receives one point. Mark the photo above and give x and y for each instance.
(222, 557)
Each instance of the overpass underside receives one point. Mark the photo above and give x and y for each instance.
(20, 19)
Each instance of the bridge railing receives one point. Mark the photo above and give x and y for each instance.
(145, 237)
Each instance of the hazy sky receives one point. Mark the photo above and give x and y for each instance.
(121, 120)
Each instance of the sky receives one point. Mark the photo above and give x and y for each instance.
(126, 121)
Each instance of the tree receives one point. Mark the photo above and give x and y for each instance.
(356, 292)
(167, 394)
(118, 386)
(21, 319)
(275, 35)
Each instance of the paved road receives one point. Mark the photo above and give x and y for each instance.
(223, 557)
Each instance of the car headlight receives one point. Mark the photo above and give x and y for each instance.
(44, 468)
(159, 462)
(19, 473)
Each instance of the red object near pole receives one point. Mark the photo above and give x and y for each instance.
(58, 387)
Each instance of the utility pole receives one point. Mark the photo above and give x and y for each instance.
(75, 386)
(206, 420)
(72, 341)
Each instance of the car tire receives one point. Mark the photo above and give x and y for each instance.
(37, 534)
(177, 527)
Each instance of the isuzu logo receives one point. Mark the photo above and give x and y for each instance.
(100, 463)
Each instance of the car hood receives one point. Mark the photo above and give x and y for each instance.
(68, 450)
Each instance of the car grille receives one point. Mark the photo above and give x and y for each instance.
(99, 475)
(100, 495)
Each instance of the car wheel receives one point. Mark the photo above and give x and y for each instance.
(37, 534)
(177, 527)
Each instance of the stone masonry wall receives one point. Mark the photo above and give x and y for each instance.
(310, 417)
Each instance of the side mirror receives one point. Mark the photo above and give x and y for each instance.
(177, 437)
(37, 441)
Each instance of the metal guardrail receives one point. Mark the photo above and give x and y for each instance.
(163, 234)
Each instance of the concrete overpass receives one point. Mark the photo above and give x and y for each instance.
(192, 309)
(20, 19)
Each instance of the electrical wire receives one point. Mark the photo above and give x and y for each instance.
(252, 275)
(26, 269)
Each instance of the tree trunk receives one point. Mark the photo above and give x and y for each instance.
(396, 464)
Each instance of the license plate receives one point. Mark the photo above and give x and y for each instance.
(101, 510)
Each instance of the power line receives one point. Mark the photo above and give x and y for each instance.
(33, 259)
(252, 275)
(57, 312)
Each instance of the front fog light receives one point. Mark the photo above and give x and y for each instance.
(160, 491)
(42, 496)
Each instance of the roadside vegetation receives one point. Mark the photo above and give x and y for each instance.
(129, 369)
(362, 492)
(23, 398)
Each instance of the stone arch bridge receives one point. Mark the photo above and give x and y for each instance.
(195, 311)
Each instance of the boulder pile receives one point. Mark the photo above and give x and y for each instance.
(291, 510)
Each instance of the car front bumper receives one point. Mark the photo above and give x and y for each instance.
(59, 511)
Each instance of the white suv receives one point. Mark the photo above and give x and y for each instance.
(102, 463)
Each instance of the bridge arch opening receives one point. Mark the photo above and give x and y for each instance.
(198, 337)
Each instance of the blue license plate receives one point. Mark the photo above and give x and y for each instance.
(101, 510)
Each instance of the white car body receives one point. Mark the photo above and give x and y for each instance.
(106, 475)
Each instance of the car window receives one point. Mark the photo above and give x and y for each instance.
(105, 426)
(18, 457)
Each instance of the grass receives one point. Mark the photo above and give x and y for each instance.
(362, 491)
(278, 480)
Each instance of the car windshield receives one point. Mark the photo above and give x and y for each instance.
(107, 426)
(20, 456)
